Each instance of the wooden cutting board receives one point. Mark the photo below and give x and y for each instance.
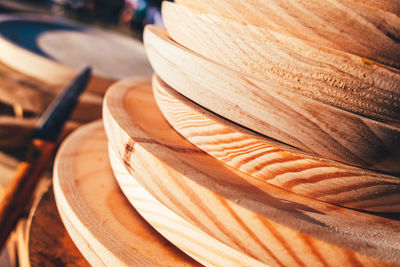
(367, 28)
(274, 162)
(99, 219)
(53, 50)
(196, 243)
(262, 221)
(279, 114)
(333, 77)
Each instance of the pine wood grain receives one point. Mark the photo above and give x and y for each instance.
(66, 59)
(370, 29)
(199, 245)
(336, 78)
(279, 114)
(99, 219)
(271, 161)
(267, 223)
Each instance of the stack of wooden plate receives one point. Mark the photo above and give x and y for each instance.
(265, 140)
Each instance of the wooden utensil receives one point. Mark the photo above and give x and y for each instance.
(69, 47)
(279, 114)
(369, 29)
(262, 221)
(99, 219)
(44, 139)
(333, 77)
(196, 243)
(274, 162)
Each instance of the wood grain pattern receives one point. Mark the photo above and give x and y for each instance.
(99, 219)
(57, 73)
(370, 29)
(330, 76)
(199, 245)
(262, 221)
(279, 114)
(271, 161)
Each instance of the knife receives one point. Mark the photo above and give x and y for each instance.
(44, 139)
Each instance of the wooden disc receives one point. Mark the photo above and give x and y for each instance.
(53, 50)
(333, 77)
(275, 163)
(267, 223)
(366, 28)
(99, 219)
(280, 114)
(201, 246)
(48, 241)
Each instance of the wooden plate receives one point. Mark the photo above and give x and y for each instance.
(262, 221)
(333, 77)
(52, 50)
(367, 28)
(99, 219)
(48, 242)
(201, 246)
(274, 162)
(280, 114)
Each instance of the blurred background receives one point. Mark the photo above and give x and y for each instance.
(128, 16)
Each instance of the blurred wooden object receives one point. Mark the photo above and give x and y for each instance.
(267, 109)
(262, 221)
(274, 162)
(201, 246)
(99, 219)
(333, 77)
(367, 28)
(71, 53)
(34, 96)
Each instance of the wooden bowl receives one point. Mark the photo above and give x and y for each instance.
(261, 221)
(366, 28)
(274, 162)
(333, 77)
(99, 219)
(279, 114)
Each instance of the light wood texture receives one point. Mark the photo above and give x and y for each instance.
(276, 163)
(117, 49)
(370, 29)
(280, 114)
(265, 222)
(99, 219)
(330, 76)
(201, 246)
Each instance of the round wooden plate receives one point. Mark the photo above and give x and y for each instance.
(99, 219)
(201, 246)
(274, 162)
(367, 28)
(333, 77)
(48, 242)
(280, 114)
(262, 221)
(53, 50)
